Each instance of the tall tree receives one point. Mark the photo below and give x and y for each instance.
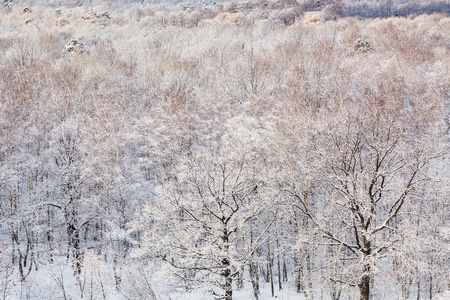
(375, 158)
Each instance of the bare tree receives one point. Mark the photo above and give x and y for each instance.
(373, 164)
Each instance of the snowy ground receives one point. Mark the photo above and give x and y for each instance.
(45, 288)
(442, 296)
(286, 294)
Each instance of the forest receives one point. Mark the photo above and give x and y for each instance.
(225, 149)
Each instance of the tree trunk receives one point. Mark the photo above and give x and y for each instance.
(335, 291)
(309, 291)
(253, 270)
(77, 252)
(228, 280)
(50, 232)
(431, 286)
(364, 284)
(74, 246)
(117, 273)
(278, 265)
(226, 265)
(418, 283)
(240, 279)
(298, 258)
(269, 268)
(254, 279)
(298, 280)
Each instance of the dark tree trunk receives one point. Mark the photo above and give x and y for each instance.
(226, 265)
(309, 291)
(298, 260)
(269, 268)
(254, 279)
(285, 273)
(228, 281)
(240, 279)
(309, 295)
(279, 266)
(299, 274)
(117, 273)
(252, 268)
(77, 252)
(73, 234)
(364, 284)
(50, 232)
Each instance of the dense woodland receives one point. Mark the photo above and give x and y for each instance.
(154, 147)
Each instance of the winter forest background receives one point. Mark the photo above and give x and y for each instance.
(224, 150)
